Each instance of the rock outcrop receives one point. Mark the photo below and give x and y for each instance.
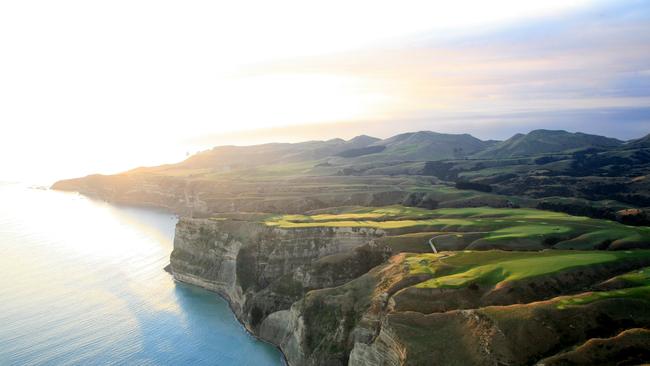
(338, 296)
(262, 271)
(201, 197)
(345, 295)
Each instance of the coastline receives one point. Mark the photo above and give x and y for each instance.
(152, 320)
(168, 268)
(285, 362)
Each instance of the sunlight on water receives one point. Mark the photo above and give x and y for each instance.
(82, 282)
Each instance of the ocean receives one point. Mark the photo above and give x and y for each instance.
(82, 283)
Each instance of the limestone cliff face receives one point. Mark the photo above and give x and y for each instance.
(262, 271)
(169, 193)
(196, 197)
(286, 329)
(386, 350)
(336, 296)
(199, 260)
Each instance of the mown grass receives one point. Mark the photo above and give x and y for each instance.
(499, 224)
(639, 277)
(638, 287)
(640, 292)
(527, 230)
(349, 216)
(388, 224)
(427, 263)
(477, 215)
(494, 267)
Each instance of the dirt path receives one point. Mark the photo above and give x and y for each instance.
(433, 247)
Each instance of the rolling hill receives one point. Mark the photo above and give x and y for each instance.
(423, 248)
(544, 142)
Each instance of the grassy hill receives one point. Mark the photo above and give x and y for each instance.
(415, 169)
(485, 307)
(544, 142)
(502, 278)
(643, 142)
(427, 145)
(477, 228)
(325, 245)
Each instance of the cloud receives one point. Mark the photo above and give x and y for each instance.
(590, 58)
(81, 76)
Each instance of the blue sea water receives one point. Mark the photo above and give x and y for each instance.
(82, 283)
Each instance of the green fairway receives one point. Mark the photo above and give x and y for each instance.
(377, 224)
(526, 231)
(493, 227)
(641, 292)
(500, 217)
(494, 267)
(637, 285)
(640, 277)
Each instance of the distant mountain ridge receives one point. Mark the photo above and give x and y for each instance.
(546, 141)
(411, 146)
(294, 177)
(639, 143)
(425, 144)
(310, 241)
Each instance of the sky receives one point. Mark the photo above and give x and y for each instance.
(99, 86)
